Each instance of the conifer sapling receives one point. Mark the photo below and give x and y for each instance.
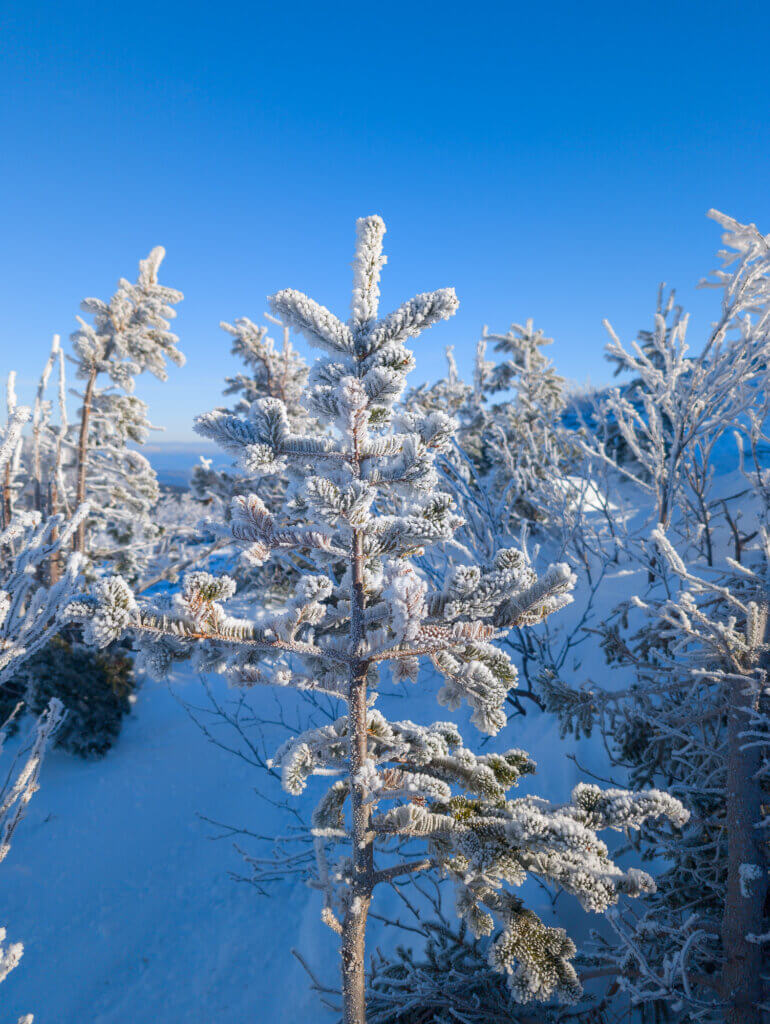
(362, 504)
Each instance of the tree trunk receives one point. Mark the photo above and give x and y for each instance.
(353, 962)
(7, 495)
(54, 566)
(744, 912)
(36, 468)
(80, 493)
(354, 923)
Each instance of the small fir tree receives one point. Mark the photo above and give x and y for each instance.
(271, 372)
(361, 505)
(129, 335)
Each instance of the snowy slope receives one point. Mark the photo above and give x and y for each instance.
(125, 906)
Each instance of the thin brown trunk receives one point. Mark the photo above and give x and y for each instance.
(353, 962)
(54, 567)
(80, 493)
(7, 495)
(354, 922)
(36, 469)
(744, 913)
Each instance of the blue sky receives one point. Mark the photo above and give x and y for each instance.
(548, 160)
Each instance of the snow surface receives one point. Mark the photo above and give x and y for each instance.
(123, 903)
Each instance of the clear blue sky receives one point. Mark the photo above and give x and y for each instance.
(548, 160)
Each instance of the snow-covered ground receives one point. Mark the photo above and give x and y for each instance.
(124, 904)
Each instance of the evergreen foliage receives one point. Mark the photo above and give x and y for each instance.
(361, 505)
(449, 979)
(274, 373)
(93, 687)
(128, 335)
(690, 652)
(30, 615)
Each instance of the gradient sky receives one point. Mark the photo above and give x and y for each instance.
(548, 160)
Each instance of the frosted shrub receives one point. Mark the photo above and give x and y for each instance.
(689, 653)
(30, 615)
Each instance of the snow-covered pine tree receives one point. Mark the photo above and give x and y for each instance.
(16, 417)
(94, 688)
(691, 712)
(450, 394)
(523, 440)
(276, 372)
(682, 405)
(129, 335)
(712, 715)
(43, 487)
(272, 372)
(363, 502)
(696, 719)
(538, 393)
(511, 442)
(30, 614)
(41, 412)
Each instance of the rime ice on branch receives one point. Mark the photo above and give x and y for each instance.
(129, 334)
(271, 371)
(694, 646)
(30, 614)
(362, 504)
